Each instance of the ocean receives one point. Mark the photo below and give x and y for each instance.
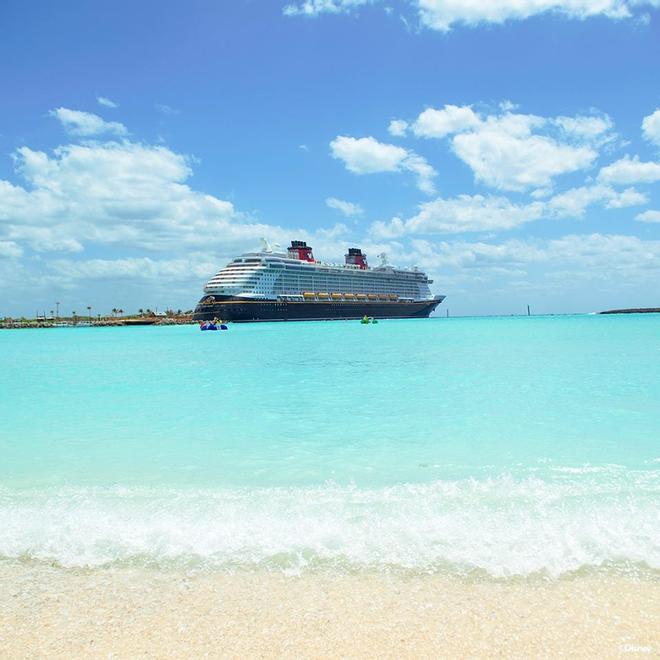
(496, 448)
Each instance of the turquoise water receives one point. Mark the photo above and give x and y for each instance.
(504, 445)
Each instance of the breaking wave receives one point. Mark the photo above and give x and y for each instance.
(502, 526)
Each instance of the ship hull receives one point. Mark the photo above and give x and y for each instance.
(241, 310)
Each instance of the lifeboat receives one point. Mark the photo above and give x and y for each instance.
(382, 296)
(324, 296)
(393, 296)
(308, 295)
(361, 296)
(336, 296)
(372, 296)
(349, 296)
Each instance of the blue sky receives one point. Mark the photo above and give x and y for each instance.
(510, 148)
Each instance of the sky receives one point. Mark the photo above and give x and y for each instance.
(510, 148)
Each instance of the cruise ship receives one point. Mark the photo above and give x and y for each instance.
(272, 285)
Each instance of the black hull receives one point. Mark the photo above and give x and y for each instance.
(241, 310)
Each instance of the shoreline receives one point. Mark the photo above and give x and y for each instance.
(127, 612)
(103, 323)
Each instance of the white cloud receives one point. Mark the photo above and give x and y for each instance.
(397, 127)
(368, 156)
(443, 15)
(504, 153)
(586, 127)
(115, 194)
(425, 173)
(479, 213)
(464, 213)
(630, 170)
(316, 7)
(347, 208)
(433, 123)
(629, 197)
(86, 124)
(585, 256)
(651, 127)
(472, 213)
(166, 109)
(133, 268)
(106, 102)
(120, 196)
(607, 252)
(574, 202)
(10, 250)
(513, 151)
(649, 216)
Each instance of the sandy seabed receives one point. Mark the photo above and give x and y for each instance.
(51, 612)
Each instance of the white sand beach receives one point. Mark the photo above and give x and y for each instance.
(126, 613)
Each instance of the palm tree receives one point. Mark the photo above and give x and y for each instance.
(89, 313)
(120, 312)
(114, 311)
(141, 311)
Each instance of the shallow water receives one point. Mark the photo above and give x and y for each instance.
(510, 446)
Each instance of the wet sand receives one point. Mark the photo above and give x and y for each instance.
(126, 613)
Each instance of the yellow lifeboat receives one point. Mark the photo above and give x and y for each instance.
(393, 296)
(382, 296)
(309, 295)
(349, 296)
(372, 296)
(361, 296)
(324, 296)
(336, 296)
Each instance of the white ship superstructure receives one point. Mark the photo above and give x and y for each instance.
(269, 275)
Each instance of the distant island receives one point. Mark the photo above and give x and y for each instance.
(633, 310)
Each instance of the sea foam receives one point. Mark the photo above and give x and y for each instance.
(503, 526)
